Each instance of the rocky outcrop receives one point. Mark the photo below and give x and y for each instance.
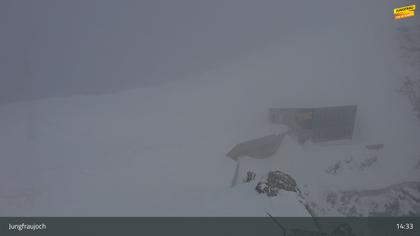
(276, 181)
(396, 200)
(351, 164)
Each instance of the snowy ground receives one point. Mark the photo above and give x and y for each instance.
(343, 180)
(160, 151)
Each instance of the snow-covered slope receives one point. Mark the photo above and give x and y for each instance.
(160, 151)
(343, 180)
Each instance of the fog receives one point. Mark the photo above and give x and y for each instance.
(62, 48)
(128, 108)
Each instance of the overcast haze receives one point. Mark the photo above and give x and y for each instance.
(174, 86)
(60, 48)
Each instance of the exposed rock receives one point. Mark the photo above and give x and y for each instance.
(276, 181)
(352, 164)
(334, 168)
(250, 176)
(375, 147)
(368, 162)
(396, 200)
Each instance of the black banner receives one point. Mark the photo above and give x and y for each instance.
(202, 226)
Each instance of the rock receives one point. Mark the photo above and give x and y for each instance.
(396, 200)
(359, 164)
(276, 181)
(375, 147)
(334, 168)
(250, 176)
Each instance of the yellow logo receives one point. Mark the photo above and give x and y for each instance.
(404, 12)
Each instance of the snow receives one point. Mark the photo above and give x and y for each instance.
(160, 151)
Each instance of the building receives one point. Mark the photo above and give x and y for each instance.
(317, 124)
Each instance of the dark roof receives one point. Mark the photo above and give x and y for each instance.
(257, 148)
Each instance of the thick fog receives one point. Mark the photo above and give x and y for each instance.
(130, 107)
(61, 48)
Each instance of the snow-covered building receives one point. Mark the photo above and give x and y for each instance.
(317, 124)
